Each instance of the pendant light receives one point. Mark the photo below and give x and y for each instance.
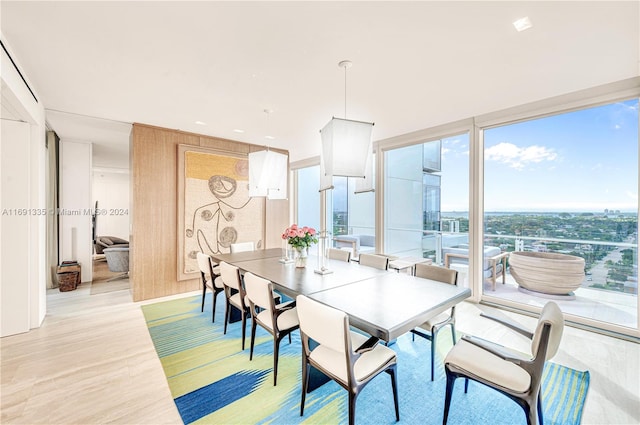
(268, 171)
(346, 148)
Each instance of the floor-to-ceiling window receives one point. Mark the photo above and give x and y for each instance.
(426, 197)
(565, 188)
(351, 214)
(537, 178)
(308, 198)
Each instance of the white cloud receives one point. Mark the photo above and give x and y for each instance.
(517, 157)
(632, 195)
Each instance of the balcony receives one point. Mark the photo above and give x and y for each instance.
(609, 290)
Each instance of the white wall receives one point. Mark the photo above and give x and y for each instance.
(111, 190)
(75, 208)
(22, 165)
(14, 151)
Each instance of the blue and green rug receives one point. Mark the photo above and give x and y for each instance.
(213, 382)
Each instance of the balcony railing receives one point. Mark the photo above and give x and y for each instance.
(609, 265)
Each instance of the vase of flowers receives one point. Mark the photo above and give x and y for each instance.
(300, 239)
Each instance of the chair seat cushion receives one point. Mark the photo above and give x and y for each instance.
(208, 284)
(236, 301)
(481, 363)
(368, 364)
(218, 282)
(287, 320)
(442, 317)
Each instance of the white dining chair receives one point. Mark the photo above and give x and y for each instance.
(339, 254)
(516, 375)
(242, 247)
(279, 320)
(347, 357)
(429, 330)
(374, 260)
(235, 295)
(211, 280)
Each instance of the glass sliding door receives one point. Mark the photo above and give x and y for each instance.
(565, 188)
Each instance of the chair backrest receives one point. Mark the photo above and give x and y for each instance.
(372, 260)
(259, 291)
(204, 263)
(231, 277)
(441, 274)
(552, 315)
(325, 325)
(339, 254)
(241, 247)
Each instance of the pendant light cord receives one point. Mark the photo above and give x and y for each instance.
(345, 92)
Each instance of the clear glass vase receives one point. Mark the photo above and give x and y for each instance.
(300, 255)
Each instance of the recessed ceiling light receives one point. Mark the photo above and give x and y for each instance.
(237, 130)
(201, 123)
(269, 137)
(523, 24)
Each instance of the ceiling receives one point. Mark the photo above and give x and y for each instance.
(415, 64)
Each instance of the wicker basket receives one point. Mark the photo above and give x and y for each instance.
(67, 281)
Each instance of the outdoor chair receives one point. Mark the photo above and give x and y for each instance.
(494, 262)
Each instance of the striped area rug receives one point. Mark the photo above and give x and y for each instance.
(213, 381)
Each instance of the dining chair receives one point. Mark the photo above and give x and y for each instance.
(210, 280)
(241, 247)
(347, 357)
(516, 375)
(279, 320)
(235, 294)
(435, 324)
(374, 260)
(339, 254)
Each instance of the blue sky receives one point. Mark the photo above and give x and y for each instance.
(585, 160)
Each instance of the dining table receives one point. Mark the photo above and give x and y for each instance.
(382, 303)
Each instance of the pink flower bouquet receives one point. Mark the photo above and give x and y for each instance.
(300, 237)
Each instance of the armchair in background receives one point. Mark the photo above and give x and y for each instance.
(118, 261)
(103, 242)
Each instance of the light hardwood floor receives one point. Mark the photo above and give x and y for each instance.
(93, 362)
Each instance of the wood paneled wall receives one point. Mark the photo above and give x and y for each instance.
(153, 254)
